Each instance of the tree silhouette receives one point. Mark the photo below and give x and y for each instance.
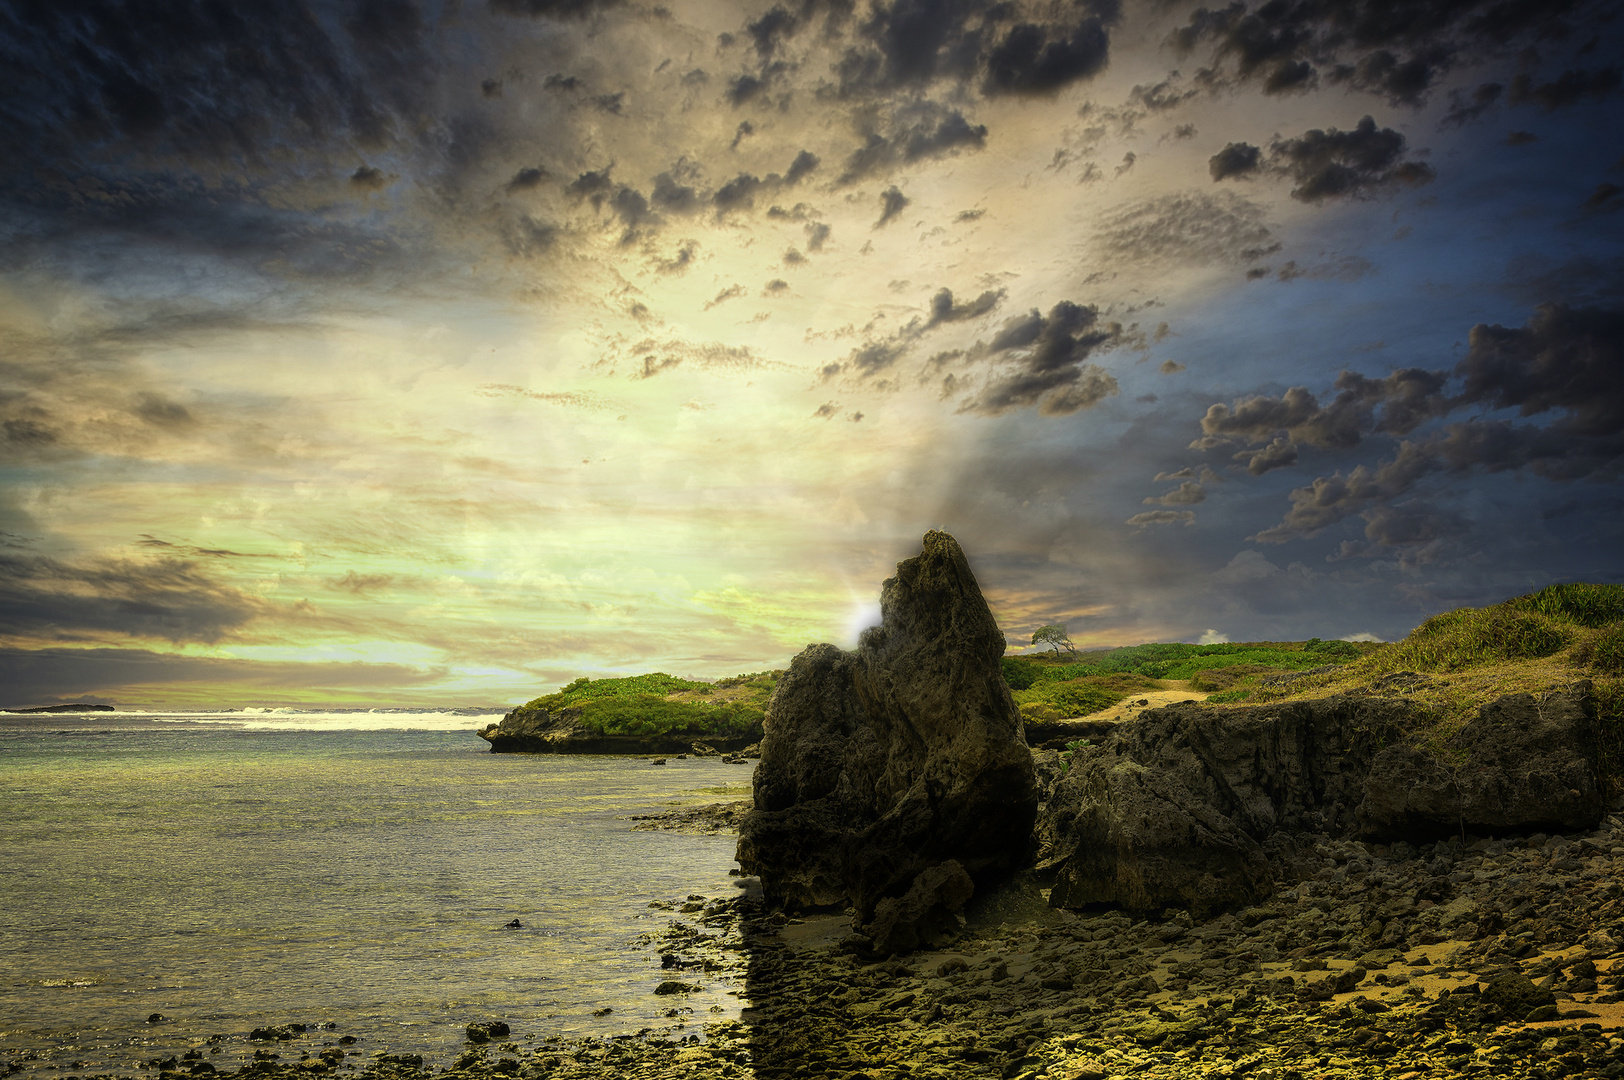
(1054, 635)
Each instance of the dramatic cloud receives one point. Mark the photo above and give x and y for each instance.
(909, 133)
(1235, 159)
(1397, 52)
(892, 203)
(1565, 364)
(165, 599)
(1567, 89)
(1329, 163)
(448, 337)
(997, 48)
(1043, 361)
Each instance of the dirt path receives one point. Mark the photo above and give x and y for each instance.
(1172, 690)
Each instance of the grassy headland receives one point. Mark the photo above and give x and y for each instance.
(1455, 662)
(661, 704)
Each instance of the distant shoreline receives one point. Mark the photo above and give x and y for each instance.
(59, 709)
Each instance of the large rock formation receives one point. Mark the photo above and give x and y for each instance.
(1183, 807)
(882, 764)
(536, 731)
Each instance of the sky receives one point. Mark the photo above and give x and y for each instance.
(395, 352)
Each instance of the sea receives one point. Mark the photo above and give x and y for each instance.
(227, 871)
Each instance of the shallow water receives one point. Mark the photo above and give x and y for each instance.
(234, 872)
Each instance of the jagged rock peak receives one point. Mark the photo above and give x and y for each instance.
(880, 764)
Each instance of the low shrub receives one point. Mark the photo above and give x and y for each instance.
(1470, 637)
(1077, 697)
(651, 714)
(1019, 673)
(1604, 653)
(1584, 604)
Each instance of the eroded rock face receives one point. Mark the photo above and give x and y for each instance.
(1186, 806)
(881, 764)
(1524, 763)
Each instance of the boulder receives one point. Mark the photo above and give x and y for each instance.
(926, 915)
(880, 764)
(1516, 993)
(1186, 806)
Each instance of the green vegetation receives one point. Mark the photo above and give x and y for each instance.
(1046, 688)
(582, 691)
(758, 685)
(650, 714)
(1592, 606)
(661, 704)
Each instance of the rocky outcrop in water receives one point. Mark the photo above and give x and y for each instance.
(881, 764)
(537, 731)
(1197, 808)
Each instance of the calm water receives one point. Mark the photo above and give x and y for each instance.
(250, 870)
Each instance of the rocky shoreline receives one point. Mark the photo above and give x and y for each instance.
(1510, 963)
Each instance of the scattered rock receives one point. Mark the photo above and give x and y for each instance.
(675, 986)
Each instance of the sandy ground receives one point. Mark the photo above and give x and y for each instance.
(1149, 699)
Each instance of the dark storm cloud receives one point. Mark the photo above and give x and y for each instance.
(369, 179)
(1606, 196)
(553, 9)
(1569, 88)
(161, 412)
(1396, 405)
(817, 234)
(210, 81)
(1043, 361)
(1463, 112)
(1564, 366)
(172, 599)
(1235, 159)
(892, 203)
(1328, 163)
(1563, 359)
(943, 308)
(1397, 51)
(626, 203)
(527, 179)
(41, 676)
(912, 132)
(672, 194)
(738, 193)
(802, 167)
(999, 48)
(527, 237)
(1400, 81)
(873, 357)
(1034, 60)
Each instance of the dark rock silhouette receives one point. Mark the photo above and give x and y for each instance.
(1186, 807)
(536, 731)
(882, 764)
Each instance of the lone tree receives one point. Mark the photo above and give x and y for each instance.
(1053, 635)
